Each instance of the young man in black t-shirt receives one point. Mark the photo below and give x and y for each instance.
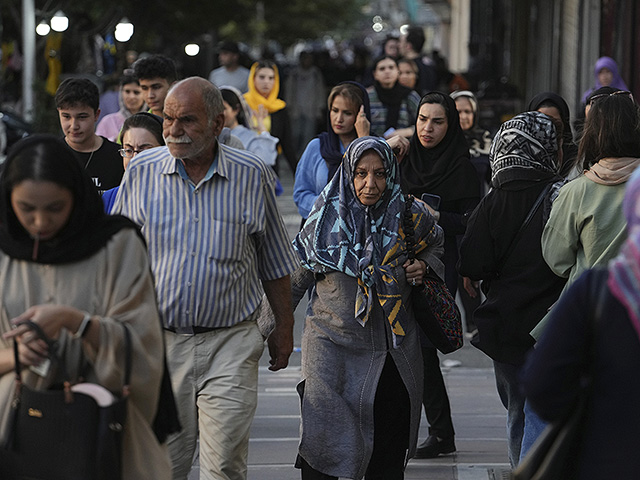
(77, 102)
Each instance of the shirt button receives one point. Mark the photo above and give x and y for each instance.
(196, 219)
(196, 192)
(193, 254)
(187, 312)
(188, 284)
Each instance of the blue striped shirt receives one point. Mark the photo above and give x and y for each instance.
(210, 244)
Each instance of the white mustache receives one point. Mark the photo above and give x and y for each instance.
(182, 139)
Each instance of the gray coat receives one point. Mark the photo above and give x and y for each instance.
(341, 365)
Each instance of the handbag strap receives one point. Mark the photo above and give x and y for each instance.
(409, 230)
(51, 344)
(522, 228)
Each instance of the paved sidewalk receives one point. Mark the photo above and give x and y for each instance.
(478, 416)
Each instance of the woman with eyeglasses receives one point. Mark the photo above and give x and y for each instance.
(140, 132)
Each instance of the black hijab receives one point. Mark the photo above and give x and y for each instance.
(569, 148)
(330, 141)
(47, 158)
(392, 97)
(445, 169)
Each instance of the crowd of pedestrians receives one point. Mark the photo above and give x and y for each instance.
(186, 249)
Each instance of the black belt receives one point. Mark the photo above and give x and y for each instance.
(191, 330)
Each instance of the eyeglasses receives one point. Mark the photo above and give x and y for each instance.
(602, 95)
(128, 152)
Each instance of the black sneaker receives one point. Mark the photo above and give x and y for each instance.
(434, 446)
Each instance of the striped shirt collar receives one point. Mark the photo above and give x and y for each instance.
(172, 165)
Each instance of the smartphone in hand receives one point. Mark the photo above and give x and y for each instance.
(432, 200)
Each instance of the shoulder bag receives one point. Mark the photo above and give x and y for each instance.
(63, 434)
(434, 308)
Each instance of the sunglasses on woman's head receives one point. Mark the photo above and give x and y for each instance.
(602, 95)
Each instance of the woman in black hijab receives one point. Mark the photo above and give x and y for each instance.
(393, 106)
(555, 106)
(81, 276)
(439, 164)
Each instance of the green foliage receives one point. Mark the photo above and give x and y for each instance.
(305, 20)
(163, 24)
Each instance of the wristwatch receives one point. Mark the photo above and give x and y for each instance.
(84, 327)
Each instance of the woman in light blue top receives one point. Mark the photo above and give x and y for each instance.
(348, 119)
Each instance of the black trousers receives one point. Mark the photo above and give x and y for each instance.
(391, 419)
(435, 398)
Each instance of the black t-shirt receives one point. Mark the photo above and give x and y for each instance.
(104, 165)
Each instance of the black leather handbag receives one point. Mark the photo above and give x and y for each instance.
(61, 434)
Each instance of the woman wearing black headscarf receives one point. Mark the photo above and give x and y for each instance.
(502, 248)
(393, 106)
(554, 105)
(439, 164)
(80, 275)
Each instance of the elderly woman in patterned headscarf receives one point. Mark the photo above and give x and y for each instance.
(501, 247)
(361, 385)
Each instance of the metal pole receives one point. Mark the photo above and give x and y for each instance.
(29, 67)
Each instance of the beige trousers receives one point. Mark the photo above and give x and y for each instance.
(215, 382)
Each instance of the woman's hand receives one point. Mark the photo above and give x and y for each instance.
(470, 286)
(50, 318)
(32, 350)
(362, 125)
(399, 145)
(406, 132)
(435, 213)
(415, 271)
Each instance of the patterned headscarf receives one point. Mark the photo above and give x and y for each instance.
(624, 270)
(525, 148)
(364, 242)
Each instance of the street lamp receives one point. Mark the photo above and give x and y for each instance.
(59, 22)
(43, 29)
(192, 49)
(124, 30)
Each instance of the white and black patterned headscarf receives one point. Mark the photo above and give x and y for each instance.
(525, 148)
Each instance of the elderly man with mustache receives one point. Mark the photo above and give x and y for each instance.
(216, 243)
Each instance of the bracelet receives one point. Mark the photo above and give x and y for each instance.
(83, 328)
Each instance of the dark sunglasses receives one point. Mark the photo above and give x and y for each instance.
(602, 95)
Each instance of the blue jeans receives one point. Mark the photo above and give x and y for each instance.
(513, 401)
(533, 427)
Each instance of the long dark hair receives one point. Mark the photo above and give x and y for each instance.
(612, 129)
